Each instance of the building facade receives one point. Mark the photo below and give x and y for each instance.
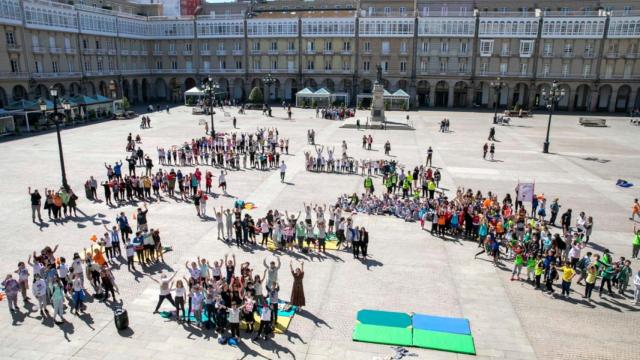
(442, 54)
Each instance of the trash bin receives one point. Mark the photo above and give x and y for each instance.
(121, 318)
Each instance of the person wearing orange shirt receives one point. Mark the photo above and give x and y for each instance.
(635, 210)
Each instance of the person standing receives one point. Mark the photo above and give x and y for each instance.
(36, 200)
(297, 291)
(165, 290)
(234, 122)
(429, 156)
(565, 220)
(492, 151)
(11, 289)
(283, 169)
(57, 297)
(485, 149)
(492, 134)
(636, 293)
(567, 275)
(635, 242)
(555, 209)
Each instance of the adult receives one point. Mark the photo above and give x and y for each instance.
(635, 242)
(165, 283)
(297, 291)
(36, 200)
(283, 170)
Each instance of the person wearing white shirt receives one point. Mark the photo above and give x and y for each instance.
(39, 289)
(283, 170)
(265, 322)
(234, 319)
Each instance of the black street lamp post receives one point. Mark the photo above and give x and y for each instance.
(552, 98)
(56, 120)
(211, 89)
(268, 80)
(497, 85)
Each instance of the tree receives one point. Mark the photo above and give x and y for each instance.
(125, 103)
(255, 96)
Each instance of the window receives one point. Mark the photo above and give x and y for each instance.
(372, 11)
(546, 69)
(483, 68)
(526, 48)
(505, 49)
(425, 47)
(291, 65)
(67, 43)
(387, 11)
(463, 47)
(564, 10)
(366, 66)
(403, 47)
(385, 67)
(503, 68)
(548, 48)
(425, 11)
(627, 10)
(486, 47)
(15, 66)
(310, 65)
(423, 66)
(159, 65)
(274, 65)
(10, 38)
(35, 41)
(565, 69)
(257, 65)
(523, 68)
(367, 47)
(444, 46)
(588, 50)
(112, 65)
(463, 11)
(385, 47)
(99, 64)
(403, 66)
(568, 50)
(462, 66)
(346, 46)
(608, 70)
(187, 47)
(221, 64)
(98, 44)
(403, 11)
(328, 45)
(238, 65)
(444, 65)
(86, 45)
(157, 47)
(206, 65)
(586, 70)
(204, 46)
(70, 65)
(237, 46)
(503, 10)
(291, 46)
(87, 65)
(627, 70)
(444, 11)
(327, 65)
(311, 46)
(255, 46)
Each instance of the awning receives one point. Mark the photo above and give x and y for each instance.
(194, 91)
(305, 91)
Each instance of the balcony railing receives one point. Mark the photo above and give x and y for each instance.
(327, 52)
(56, 75)
(205, 52)
(256, 52)
(14, 75)
(310, 51)
(631, 55)
(112, 52)
(101, 51)
(612, 55)
(291, 51)
(55, 50)
(237, 52)
(568, 55)
(588, 55)
(173, 71)
(14, 47)
(187, 52)
(228, 71)
(38, 49)
(345, 52)
(172, 53)
(124, 52)
(548, 55)
(157, 52)
(135, 52)
(272, 52)
(144, 53)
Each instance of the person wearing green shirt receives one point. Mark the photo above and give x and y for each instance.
(432, 188)
(607, 274)
(300, 234)
(623, 277)
(368, 185)
(539, 268)
(531, 265)
(406, 186)
(57, 297)
(518, 262)
(635, 242)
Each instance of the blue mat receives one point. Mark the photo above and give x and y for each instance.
(441, 324)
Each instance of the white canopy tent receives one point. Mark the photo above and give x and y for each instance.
(322, 98)
(193, 95)
(399, 100)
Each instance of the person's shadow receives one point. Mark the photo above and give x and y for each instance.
(316, 320)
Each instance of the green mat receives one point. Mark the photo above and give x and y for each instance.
(384, 318)
(444, 341)
(382, 334)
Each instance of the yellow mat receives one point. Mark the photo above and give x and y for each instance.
(329, 245)
(282, 324)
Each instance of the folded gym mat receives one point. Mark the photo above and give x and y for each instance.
(382, 334)
(442, 324)
(384, 318)
(436, 340)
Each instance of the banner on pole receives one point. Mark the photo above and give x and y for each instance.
(525, 192)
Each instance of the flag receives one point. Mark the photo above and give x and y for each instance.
(525, 192)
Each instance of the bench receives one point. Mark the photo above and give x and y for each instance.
(519, 113)
(590, 121)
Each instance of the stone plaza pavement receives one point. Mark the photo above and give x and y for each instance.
(408, 270)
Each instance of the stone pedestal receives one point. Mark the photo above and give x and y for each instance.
(377, 104)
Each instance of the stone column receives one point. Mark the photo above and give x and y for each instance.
(632, 100)
(594, 101)
(612, 100)
(450, 97)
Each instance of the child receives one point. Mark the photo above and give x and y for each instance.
(195, 303)
(130, 250)
(567, 275)
(518, 262)
(179, 300)
(265, 322)
(590, 281)
(550, 276)
(221, 312)
(40, 293)
(273, 300)
(234, 320)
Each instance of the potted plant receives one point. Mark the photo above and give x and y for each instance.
(314, 104)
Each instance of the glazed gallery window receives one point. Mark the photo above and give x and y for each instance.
(486, 47)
